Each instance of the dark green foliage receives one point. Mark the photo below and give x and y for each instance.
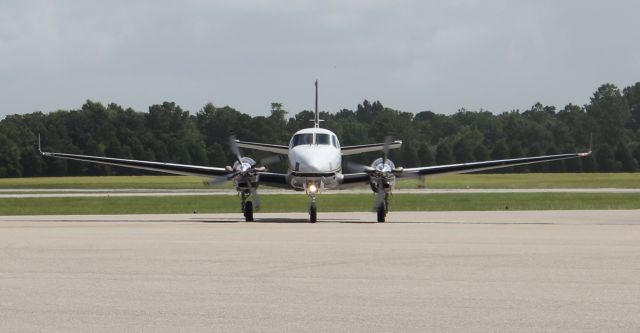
(605, 158)
(444, 155)
(426, 155)
(610, 114)
(624, 160)
(168, 133)
(9, 158)
(481, 153)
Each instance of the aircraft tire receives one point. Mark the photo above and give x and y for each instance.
(248, 211)
(382, 213)
(313, 213)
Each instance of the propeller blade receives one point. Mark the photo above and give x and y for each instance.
(385, 151)
(234, 148)
(379, 197)
(270, 160)
(254, 197)
(355, 166)
(221, 179)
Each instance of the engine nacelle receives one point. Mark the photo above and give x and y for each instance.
(379, 166)
(381, 175)
(247, 164)
(246, 176)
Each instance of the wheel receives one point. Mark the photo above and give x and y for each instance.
(313, 213)
(382, 213)
(248, 211)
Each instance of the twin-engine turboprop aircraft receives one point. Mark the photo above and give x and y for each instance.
(315, 165)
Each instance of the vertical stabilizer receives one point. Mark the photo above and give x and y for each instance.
(316, 122)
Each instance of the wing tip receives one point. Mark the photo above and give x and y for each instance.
(585, 154)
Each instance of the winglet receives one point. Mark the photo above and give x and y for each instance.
(39, 145)
(590, 147)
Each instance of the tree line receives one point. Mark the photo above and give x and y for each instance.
(170, 134)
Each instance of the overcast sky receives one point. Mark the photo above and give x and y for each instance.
(411, 55)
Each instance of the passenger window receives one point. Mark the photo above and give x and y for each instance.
(302, 139)
(322, 139)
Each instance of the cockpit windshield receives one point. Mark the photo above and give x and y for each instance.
(322, 139)
(302, 139)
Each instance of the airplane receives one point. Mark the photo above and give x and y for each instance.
(314, 165)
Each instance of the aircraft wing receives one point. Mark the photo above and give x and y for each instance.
(354, 179)
(277, 149)
(483, 166)
(363, 178)
(178, 169)
(265, 178)
(351, 150)
(273, 179)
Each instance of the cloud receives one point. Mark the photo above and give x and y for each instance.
(411, 55)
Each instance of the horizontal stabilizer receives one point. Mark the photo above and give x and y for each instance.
(351, 150)
(277, 149)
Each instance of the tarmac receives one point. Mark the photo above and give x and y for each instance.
(422, 271)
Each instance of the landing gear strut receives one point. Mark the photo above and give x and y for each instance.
(313, 212)
(383, 208)
(247, 208)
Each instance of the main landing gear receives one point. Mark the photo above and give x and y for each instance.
(383, 208)
(247, 207)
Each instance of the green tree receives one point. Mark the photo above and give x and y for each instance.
(632, 96)
(463, 151)
(624, 159)
(9, 158)
(426, 155)
(610, 114)
(500, 151)
(481, 153)
(444, 154)
(605, 158)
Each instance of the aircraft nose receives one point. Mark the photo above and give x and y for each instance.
(317, 165)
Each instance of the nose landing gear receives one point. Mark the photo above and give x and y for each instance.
(313, 187)
(313, 212)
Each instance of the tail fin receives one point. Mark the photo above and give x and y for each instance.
(317, 119)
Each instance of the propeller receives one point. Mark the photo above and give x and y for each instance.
(245, 168)
(254, 196)
(382, 172)
(379, 197)
(235, 149)
(356, 167)
(271, 159)
(385, 150)
(383, 167)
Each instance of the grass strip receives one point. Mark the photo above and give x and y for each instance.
(334, 203)
(516, 180)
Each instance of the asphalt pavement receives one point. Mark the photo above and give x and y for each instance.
(426, 271)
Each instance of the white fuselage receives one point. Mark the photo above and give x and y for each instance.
(314, 158)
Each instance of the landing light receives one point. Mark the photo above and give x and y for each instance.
(312, 188)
